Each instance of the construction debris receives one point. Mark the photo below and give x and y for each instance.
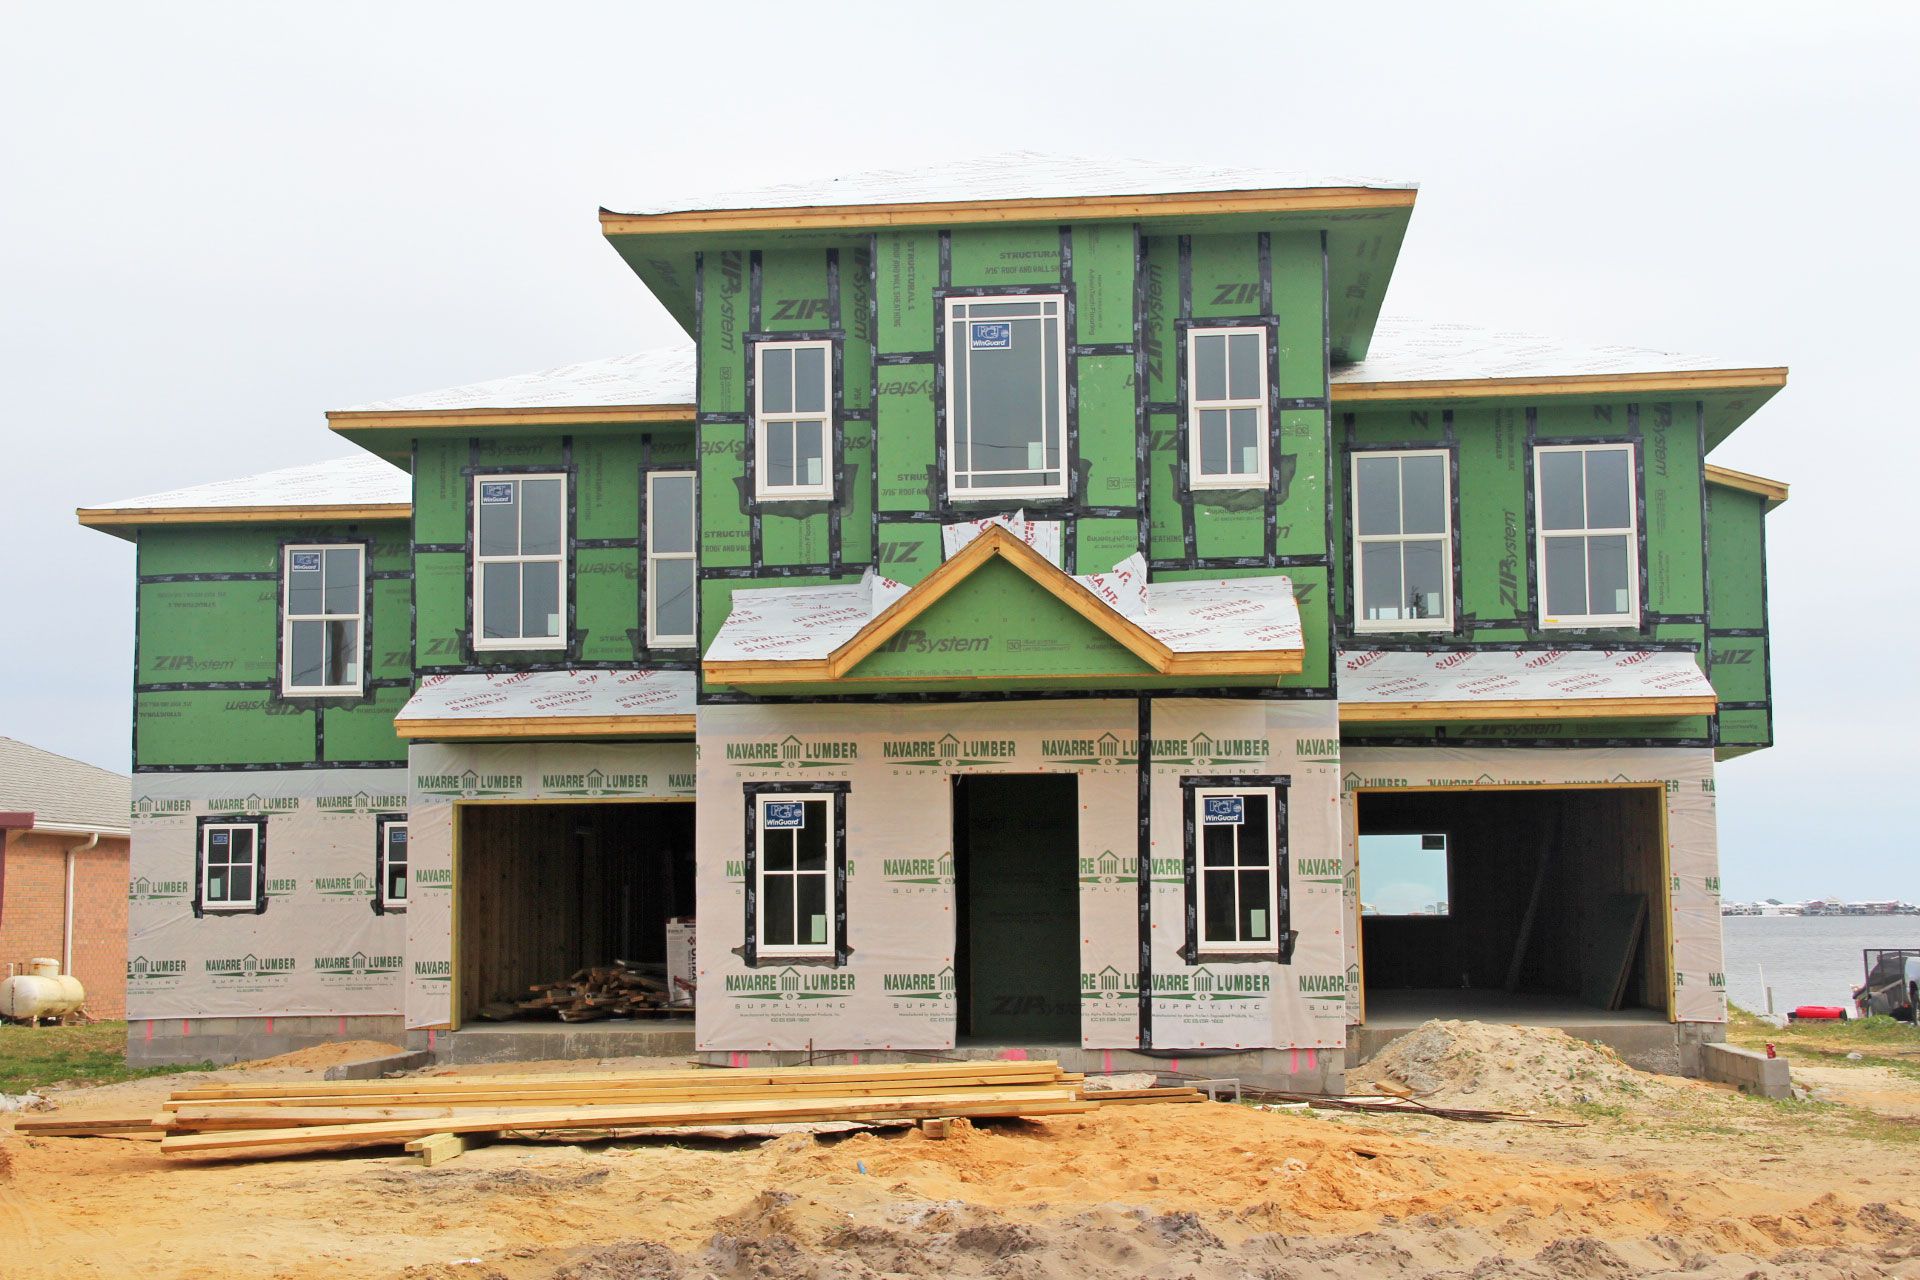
(617, 990)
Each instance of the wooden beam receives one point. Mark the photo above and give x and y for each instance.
(545, 727)
(1593, 384)
(1042, 209)
(1774, 491)
(1527, 709)
(110, 517)
(438, 1148)
(568, 415)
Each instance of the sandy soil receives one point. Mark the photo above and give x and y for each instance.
(1664, 1178)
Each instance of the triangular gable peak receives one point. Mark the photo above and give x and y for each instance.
(1115, 643)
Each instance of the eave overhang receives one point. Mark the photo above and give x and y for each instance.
(1774, 491)
(1691, 382)
(123, 521)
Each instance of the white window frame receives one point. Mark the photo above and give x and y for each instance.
(481, 641)
(386, 864)
(811, 949)
(1218, 946)
(657, 639)
(763, 489)
(1445, 621)
(1001, 493)
(1260, 476)
(229, 903)
(287, 618)
(1631, 532)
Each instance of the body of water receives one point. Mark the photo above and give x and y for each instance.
(1808, 959)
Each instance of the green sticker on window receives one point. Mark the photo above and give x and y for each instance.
(1257, 921)
(819, 929)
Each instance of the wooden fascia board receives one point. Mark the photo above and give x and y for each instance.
(113, 517)
(970, 212)
(996, 541)
(1596, 384)
(346, 420)
(1526, 709)
(546, 727)
(1774, 491)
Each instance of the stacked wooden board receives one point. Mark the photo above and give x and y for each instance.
(262, 1120)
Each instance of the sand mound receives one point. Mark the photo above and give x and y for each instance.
(325, 1055)
(1483, 1064)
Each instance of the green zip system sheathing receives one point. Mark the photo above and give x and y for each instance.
(1130, 297)
(1741, 662)
(606, 494)
(207, 644)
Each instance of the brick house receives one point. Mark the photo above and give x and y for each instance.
(63, 870)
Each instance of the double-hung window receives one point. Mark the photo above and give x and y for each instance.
(1006, 396)
(323, 605)
(670, 563)
(230, 866)
(1587, 549)
(520, 562)
(1236, 876)
(1227, 408)
(391, 860)
(792, 384)
(1402, 541)
(795, 848)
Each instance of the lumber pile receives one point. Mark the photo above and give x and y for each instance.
(617, 990)
(264, 1120)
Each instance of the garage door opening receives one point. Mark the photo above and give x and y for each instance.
(545, 890)
(1523, 905)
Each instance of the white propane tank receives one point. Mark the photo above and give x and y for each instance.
(42, 992)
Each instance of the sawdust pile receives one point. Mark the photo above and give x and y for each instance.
(324, 1055)
(1481, 1064)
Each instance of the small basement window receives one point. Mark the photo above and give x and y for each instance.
(1006, 396)
(670, 559)
(323, 604)
(520, 561)
(1588, 551)
(795, 873)
(230, 866)
(1402, 541)
(1236, 884)
(793, 382)
(1404, 874)
(1227, 408)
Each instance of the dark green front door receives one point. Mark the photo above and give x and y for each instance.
(1016, 852)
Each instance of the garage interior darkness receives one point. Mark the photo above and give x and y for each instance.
(1555, 900)
(547, 889)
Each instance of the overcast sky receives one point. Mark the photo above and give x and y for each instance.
(216, 222)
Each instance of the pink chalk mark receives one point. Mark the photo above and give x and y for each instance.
(430, 1036)
(186, 1028)
(1293, 1062)
(1313, 1059)
(1106, 1062)
(1174, 1066)
(149, 1029)
(343, 1026)
(1013, 1055)
(269, 1026)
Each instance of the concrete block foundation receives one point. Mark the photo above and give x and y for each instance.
(1746, 1070)
(155, 1042)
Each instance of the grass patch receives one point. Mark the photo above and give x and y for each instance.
(93, 1053)
(1880, 1036)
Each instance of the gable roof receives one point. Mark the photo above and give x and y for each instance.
(61, 792)
(1238, 626)
(1019, 177)
(360, 487)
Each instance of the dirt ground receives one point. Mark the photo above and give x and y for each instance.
(1660, 1177)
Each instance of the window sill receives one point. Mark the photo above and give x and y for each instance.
(794, 495)
(519, 646)
(1007, 495)
(335, 691)
(1235, 484)
(1609, 622)
(1429, 627)
(826, 957)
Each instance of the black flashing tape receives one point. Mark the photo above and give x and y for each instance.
(749, 950)
(1143, 861)
(1191, 949)
(201, 908)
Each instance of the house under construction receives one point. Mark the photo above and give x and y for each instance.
(1042, 606)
